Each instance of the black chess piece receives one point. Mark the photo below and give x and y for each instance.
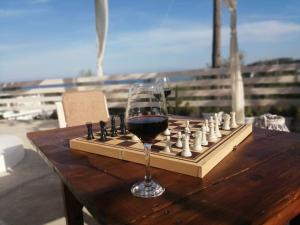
(103, 131)
(90, 134)
(122, 124)
(113, 127)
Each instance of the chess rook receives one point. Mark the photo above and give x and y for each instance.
(197, 141)
(217, 129)
(212, 136)
(204, 140)
(186, 146)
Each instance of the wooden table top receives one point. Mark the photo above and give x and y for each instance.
(258, 183)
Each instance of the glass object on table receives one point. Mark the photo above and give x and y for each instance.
(146, 117)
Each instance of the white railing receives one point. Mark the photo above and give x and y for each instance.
(264, 86)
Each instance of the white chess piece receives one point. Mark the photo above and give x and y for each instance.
(204, 140)
(226, 124)
(220, 115)
(135, 138)
(186, 147)
(187, 129)
(217, 129)
(233, 121)
(168, 145)
(179, 140)
(197, 141)
(167, 132)
(206, 126)
(212, 136)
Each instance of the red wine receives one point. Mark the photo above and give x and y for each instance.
(147, 127)
(167, 92)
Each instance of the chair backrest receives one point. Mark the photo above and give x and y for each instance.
(84, 106)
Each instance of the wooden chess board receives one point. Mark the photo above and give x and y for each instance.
(198, 165)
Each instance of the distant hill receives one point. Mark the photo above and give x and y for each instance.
(275, 61)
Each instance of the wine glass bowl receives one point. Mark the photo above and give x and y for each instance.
(146, 117)
(165, 83)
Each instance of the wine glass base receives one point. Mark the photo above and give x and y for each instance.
(147, 190)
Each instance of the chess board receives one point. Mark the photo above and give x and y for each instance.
(198, 165)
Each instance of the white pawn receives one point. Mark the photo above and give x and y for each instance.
(212, 136)
(168, 145)
(179, 140)
(204, 140)
(197, 142)
(167, 132)
(135, 138)
(233, 121)
(186, 147)
(226, 124)
(206, 126)
(187, 129)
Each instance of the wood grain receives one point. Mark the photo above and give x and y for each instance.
(258, 183)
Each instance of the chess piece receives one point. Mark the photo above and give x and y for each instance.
(167, 132)
(220, 115)
(206, 126)
(226, 124)
(122, 124)
(204, 140)
(186, 147)
(179, 140)
(113, 127)
(187, 129)
(197, 141)
(90, 134)
(212, 136)
(168, 144)
(134, 138)
(103, 131)
(233, 121)
(217, 129)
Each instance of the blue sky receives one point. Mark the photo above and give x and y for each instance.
(53, 38)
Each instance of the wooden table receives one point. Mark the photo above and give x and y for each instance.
(258, 183)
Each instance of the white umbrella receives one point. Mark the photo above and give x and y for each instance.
(101, 8)
(237, 86)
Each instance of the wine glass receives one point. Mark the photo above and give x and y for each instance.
(165, 83)
(146, 117)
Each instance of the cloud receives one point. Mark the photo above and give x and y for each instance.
(188, 36)
(172, 47)
(265, 31)
(8, 13)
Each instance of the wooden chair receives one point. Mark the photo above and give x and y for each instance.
(80, 107)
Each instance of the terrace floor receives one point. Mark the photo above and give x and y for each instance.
(30, 194)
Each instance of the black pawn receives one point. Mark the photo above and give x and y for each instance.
(90, 134)
(113, 127)
(103, 131)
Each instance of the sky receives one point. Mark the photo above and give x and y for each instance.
(44, 39)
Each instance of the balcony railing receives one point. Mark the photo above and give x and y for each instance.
(264, 86)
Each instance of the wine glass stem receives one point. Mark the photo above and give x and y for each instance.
(147, 148)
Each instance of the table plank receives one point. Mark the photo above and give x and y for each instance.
(102, 184)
